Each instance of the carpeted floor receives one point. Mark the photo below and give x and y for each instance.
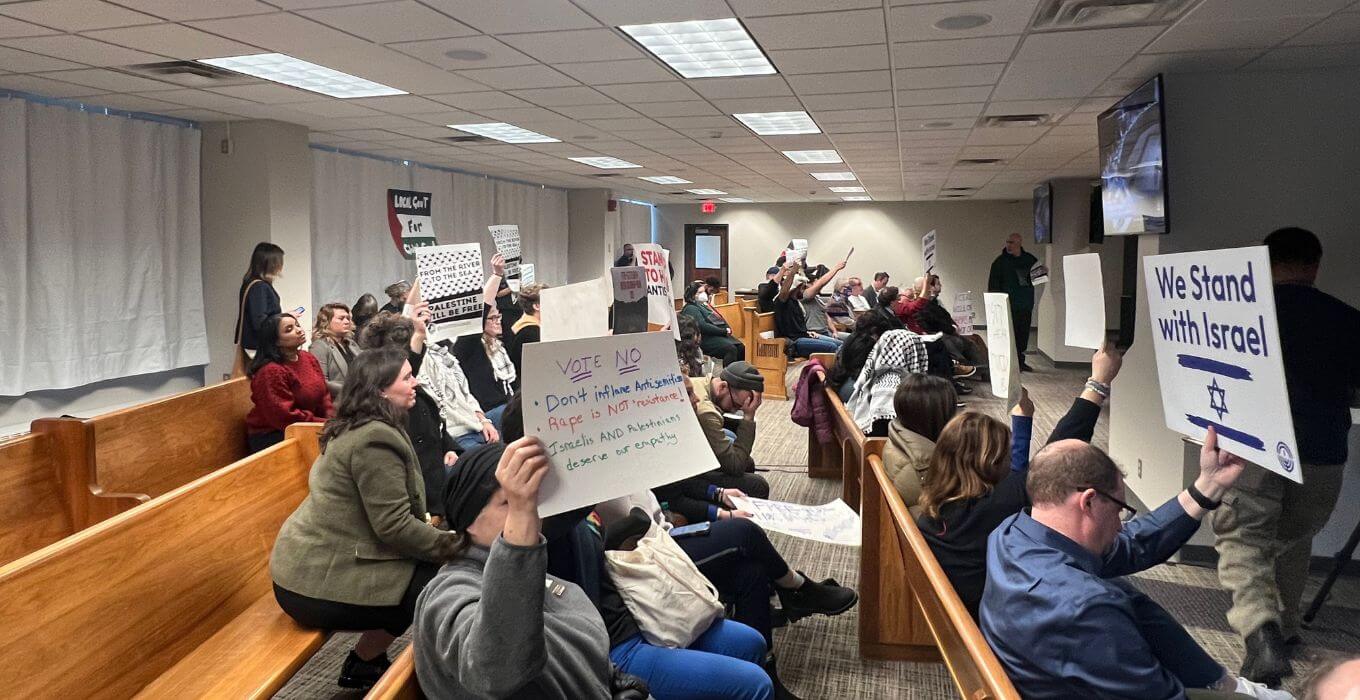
(818, 657)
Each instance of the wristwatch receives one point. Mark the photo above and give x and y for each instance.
(1203, 500)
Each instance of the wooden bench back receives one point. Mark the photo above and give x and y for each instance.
(976, 672)
(731, 312)
(31, 505)
(104, 612)
(155, 447)
(399, 681)
(769, 356)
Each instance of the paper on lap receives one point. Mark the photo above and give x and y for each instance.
(834, 522)
(614, 415)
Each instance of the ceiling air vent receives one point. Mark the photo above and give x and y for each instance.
(1013, 120)
(959, 189)
(464, 139)
(1087, 14)
(979, 161)
(188, 73)
(606, 175)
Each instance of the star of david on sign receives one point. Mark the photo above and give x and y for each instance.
(1218, 399)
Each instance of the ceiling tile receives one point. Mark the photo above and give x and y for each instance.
(108, 80)
(1052, 79)
(946, 111)
(670, 91)
(11, 28)
(174, 40)
(689, 108)
(829, 83)
(452, 116)
(135, 103)
(859, 127)
(518, 77)
(385, 22)
(1213, 11)
(642, 70)
(841, 58)
(510, 16)
(949, 76)
(1148, 65)
(80, 49)
(575, 46)
(1005, 136)
(699, 122)
(754, 86)
(917, 22)
(1298, 57)
(1338, 29)
(477, 101)
(615, 13)
(954, 52)
(758, 8)
(602, 111)
(436, 51)
(1057, 107)
(201, 99)
(1233, 34)
(564, 96)
(942, 96)
(336, 109)
(179, 10)
(75, 15)
(401, 104)
(852, 100)
(1056, 46)
(201, 115)
(24, 62)
(818, 30)
(759, 104)
(45, 86)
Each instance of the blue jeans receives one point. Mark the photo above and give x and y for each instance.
(469, 440)
(805, 347)
(1171, 644)
(494, 415)
(723, 662)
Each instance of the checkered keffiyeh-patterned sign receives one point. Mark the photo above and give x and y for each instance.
(507, 241)
(451, 281)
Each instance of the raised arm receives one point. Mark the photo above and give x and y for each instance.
(1079, 423)
(786, 279)
(493, 282)
(1022, 426)
(816, 287)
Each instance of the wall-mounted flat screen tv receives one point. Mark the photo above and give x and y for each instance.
(1133, 163)
(1043, 213)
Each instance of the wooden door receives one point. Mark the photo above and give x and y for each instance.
(705, 252)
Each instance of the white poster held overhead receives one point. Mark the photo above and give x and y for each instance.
(1002, 363)
(1084, 293)
(928, 251)
(573, 311)
(963, 313)
(655, 260)
(614, 415)
(834, 522)
(451, 281)
(526, 274)
(798, 249)
(1218, 353)
(506, 237)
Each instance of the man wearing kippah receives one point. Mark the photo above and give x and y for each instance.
(739, 388)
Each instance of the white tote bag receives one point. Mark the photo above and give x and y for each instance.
(671, 600)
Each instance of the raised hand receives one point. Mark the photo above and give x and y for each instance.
(1105, 363)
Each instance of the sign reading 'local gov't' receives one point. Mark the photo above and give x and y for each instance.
(614, 415)
(408, 220)
(1218, 352)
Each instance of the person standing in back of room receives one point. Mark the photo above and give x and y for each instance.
(257, 299)
(1265, 534)
(1010, 274)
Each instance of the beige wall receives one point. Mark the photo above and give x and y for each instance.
(1071, 236)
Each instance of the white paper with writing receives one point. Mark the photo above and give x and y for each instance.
(1002, 362)
(834, 522)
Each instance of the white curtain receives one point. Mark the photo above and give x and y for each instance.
(100, 255)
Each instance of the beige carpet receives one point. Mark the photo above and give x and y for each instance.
(818, 657)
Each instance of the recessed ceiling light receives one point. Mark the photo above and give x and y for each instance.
(825, 177)
(295, 72)
(705, 192)
(465, 55)
(666, 180)
(847, 190)
(958, 23)
(857, 198)
(605, 162)
(735, 200)
(778, 123)
(804, 157)
(703, 48)
(508, 133)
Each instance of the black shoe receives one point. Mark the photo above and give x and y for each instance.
(961, 388)
(780, 692)
(1267, 660)
(816, 597)
(1025, 368)
(357, 673)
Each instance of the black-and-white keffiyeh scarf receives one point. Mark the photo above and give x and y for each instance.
(896, 354)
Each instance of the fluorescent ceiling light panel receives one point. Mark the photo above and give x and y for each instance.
(295, 72)
(508, 133)
(703, 48)
(606, 162)
(706, 192)
(806, 157)
(735, 200)
(778, 123)
(857, 198)
(666, 180)
(847, 190)
(834, 176)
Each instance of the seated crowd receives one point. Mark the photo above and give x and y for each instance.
(422, 508)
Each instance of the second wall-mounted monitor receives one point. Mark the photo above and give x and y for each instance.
(1133, 163)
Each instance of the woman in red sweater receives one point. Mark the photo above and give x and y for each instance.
(286, 383)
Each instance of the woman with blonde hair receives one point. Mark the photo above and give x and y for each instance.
(333, 344)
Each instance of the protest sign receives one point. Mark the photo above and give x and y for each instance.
(506, 237)
(797, 250)
(526, 274)
(655, 262)
(1002, 362)
(1218, 353)
(614, 415)
(928, 251)
(963, 313)
(834, 522)
(1038, 274)
(408, 220)
(451, 281)
(630, 299)
(1084, 293)
(573, 311)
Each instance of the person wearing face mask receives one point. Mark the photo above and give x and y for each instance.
(287, 385)
(1061, 621)
(333, 344)
(717, 335)
(358, 550)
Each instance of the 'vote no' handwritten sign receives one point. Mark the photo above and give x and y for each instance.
(1218, 352)
(614, 415)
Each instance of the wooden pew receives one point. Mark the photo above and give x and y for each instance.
(170, 599)
(731, 312)
(399, 681)
(770, 358)
(845, 459)
(908, 608)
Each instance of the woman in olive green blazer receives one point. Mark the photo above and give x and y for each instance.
(358, 550)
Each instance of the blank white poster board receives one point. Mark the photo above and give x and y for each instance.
(1084, 295)
(573, 311)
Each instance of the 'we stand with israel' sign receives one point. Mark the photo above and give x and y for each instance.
(1218, 352)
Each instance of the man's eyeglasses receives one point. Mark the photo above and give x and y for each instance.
(1126, 511)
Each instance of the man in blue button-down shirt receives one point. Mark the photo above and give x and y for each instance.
(1054, 613)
